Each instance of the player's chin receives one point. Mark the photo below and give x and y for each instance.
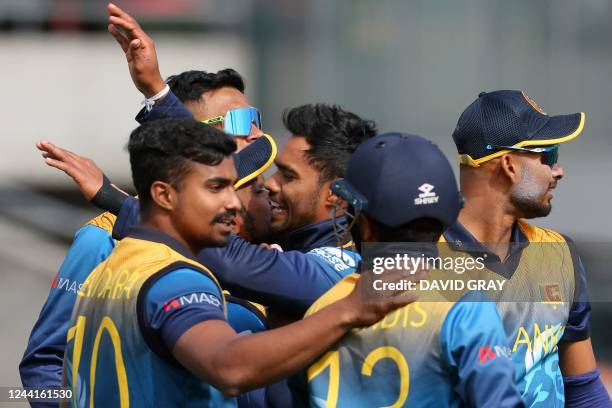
(219, 237)
(219, 240)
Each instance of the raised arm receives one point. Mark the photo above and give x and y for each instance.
(141, 57)
(139, 51)
(94, 186)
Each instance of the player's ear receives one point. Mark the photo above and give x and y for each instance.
(510, 166)
(163, 194)
(331, 199)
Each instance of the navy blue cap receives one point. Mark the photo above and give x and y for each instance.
(254, 159)
(509, 118)
(396, 177)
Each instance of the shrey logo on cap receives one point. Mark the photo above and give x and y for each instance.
(533, 104)
(427, 196)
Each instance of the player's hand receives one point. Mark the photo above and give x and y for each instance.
(139, 50)
(369, 305)
(85, 173)
(271, 246)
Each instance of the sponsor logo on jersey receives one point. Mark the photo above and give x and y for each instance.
(66, 284)
(486, 354)
(339, 258)
(426, 195)
(192, 299)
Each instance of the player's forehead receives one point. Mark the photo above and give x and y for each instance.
(224, 172)
(293, 155)
(218, 101)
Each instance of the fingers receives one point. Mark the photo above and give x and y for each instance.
(271, 246)
(124, 21)
(134, 46)
(119, 37)
(58, 164)
(61, 159)
(114, 10)
(50, 150)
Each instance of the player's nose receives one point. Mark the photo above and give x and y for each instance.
(254, 134)
(272, 184)
(557, 172)
(232, 202)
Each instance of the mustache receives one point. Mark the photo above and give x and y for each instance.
(223, 217)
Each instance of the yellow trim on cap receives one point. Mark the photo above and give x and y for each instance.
(467, 160)
(263, 168)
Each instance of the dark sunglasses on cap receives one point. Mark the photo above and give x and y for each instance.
(237, 122)
(549, 154)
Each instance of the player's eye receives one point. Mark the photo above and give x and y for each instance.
(215, 187)
(287, 176)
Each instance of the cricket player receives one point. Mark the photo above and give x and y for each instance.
(429, 353)
(288, 282)
(149, 326)
(325, 137)
(508, 149)
(42, 361)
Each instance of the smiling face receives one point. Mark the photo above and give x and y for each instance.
(532, 193)
(253, 222)
(206, 204)
(297, 195)
(216, 103)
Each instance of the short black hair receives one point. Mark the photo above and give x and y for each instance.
(190, 85)
(332, 133)
(162, 150)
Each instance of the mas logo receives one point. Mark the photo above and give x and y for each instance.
(191, 299)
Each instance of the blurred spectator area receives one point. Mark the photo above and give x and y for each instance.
(70, 15)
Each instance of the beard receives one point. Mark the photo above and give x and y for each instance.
(301, 213)
(528, 197)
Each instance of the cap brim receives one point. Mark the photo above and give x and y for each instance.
(350, 194)
(558, 129)
(254, 159)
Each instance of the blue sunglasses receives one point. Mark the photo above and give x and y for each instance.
(237, 122)
(549, 154)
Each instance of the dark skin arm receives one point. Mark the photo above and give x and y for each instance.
(139, 51)
(235, 364)
(576, 357)
(85, 173)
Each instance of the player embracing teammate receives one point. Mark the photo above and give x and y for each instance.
(154, 326)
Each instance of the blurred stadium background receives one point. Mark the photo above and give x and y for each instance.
(410, 65)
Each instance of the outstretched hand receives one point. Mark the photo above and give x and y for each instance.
(139, 50)
(85, 173)
(371, 304)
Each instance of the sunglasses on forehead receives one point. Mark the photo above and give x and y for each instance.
(237, 122)
(549, 154)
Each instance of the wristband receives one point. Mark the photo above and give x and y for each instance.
(108, 197)
(150, 102)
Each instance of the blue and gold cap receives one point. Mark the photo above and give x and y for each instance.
(509, 118)
(254, 159)
(396, 178)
